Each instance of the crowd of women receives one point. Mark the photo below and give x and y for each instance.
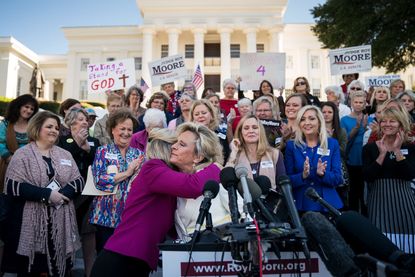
(150, 166)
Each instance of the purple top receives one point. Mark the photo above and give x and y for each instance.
(139, 140)
(149, 212)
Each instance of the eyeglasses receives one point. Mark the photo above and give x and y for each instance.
(301, 83)
(263, 111)
(355, 88)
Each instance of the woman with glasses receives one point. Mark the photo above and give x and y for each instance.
(185, 103)
(229, 103)
(266, 111)
(159, 100)
(133, 100)
(301, 85)
(266, 88)
(354, 86)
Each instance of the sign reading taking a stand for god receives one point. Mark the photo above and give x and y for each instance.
(350, 60)
(111, 75)
(256, 67)
(167, 70)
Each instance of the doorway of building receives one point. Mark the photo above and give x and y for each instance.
(213, 81)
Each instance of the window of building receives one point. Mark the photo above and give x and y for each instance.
(164, 50)
(189, 51)
(315, 62)
(19, 86)
(260, 48)
(138, 63)
(110, 59)
(290, 62)
(316, 87)
(235, 50)
(84, 64)
(83, 89)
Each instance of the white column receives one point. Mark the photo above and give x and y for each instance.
(69, 87)
(250, 40)
(173, 34)
(148, 34)
(225, 54)
(48, 89)
(199, 55)
(275, 35)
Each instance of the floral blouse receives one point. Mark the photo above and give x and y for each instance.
(107, 209)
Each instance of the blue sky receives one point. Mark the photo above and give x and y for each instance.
(37, 23)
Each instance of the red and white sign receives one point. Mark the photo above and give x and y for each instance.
(351, 60)
(175, 263)
(111, 75)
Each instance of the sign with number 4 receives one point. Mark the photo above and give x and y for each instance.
(255, 67)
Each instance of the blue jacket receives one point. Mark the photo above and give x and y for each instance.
(325, 185)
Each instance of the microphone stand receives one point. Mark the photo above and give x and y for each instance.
(207, 235)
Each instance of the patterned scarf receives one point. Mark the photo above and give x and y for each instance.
(27, 165)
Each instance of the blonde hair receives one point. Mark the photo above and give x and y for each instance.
(263, 145)
(214, 123)
(401, 117)
(272, 103)
(159, 144)
(299, 136)
(207, 142)
(377, 89)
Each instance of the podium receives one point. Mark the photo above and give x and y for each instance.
(216, 260)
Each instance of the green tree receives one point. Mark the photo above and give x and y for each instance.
(387, 25)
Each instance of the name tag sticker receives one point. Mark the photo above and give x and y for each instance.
(323, 152)
(66, 162)
(266, 164)
(278, 140)
(112, 169)
(91, 143)
(111, 156)
(222, 136)
(404, 151)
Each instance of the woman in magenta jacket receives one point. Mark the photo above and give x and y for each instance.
(150, 207)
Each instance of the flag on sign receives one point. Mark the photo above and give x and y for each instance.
(143, 85)
(197, 78)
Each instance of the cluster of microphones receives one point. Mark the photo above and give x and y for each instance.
(348, 243)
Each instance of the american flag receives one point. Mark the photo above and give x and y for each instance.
(143, 85)
(197, 78)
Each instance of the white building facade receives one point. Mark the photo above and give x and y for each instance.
(211, 34)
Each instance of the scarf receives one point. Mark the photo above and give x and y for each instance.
(27, 165)
(240, 159)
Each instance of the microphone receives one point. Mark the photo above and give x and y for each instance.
(241, 172)
(256, 193)
(364, 237)
(210, 191)
(314, 196)
(331, 247)
(285, 184)
(229, 182)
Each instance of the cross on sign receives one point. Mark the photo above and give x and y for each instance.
(123, 77)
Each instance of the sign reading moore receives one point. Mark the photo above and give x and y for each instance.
(167, 70)
(351, 60)
(113, 75)
(381, 81)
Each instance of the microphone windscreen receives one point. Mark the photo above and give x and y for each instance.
(228, 177)
(312, 194)
(363, 236)
(283, 180)
(211, 187)
(335, 253)
(264, 183)
(253, 189)
(241, 171)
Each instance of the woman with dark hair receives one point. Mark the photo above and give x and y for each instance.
(266, 88)
(332, 120)
(301, 85)
(66, 106)
(206, 92)
(133, 100)
(158, 100)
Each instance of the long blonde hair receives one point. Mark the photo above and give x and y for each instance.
(299, 136)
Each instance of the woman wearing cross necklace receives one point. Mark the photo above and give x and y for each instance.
(313, 160)
(250, 149)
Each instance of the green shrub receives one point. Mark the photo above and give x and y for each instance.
(50, 106)
(93, 104)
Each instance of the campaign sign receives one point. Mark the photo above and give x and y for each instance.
(111, 75)
(167, 70)
(381, 81)
(351, 60)
(256, 67)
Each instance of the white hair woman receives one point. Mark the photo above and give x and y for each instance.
(312, 159)
(334, 94)
(229, 103)
(153, 118)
